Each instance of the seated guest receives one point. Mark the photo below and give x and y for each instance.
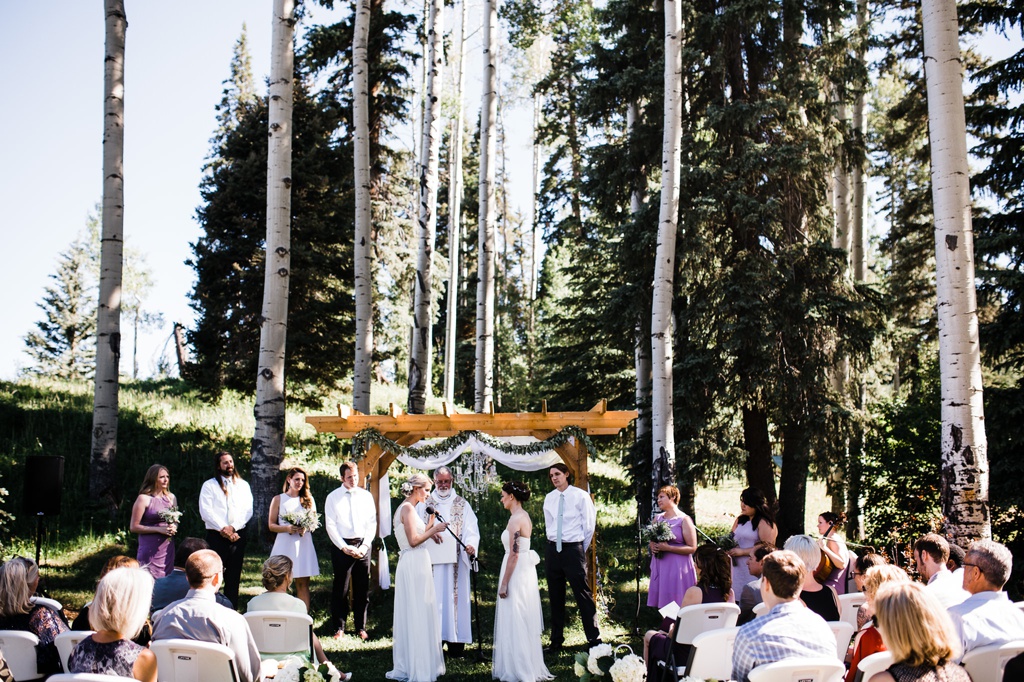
(788, 629)
(750, 594)
(17, 612)
(860, 568)
(987, 616)
(117, 614)
(81, 621)
(955, 564)
(918, 634)
(277, 577)
(198, 616)
(868, 640)
(5, 672)
(714, 586)
(174, 585)
(931, 553)
(822, 599)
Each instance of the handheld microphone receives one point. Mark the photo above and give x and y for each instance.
(437, 514)
(430, 510)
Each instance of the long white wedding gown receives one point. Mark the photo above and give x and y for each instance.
(416, 649)
(518, 623)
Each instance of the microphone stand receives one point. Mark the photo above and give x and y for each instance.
(474, 566)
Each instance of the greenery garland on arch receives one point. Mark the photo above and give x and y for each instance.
(362, 440)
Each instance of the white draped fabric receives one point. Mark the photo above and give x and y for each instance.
(534, 462)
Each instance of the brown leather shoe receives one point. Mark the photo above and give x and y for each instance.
(363, 636)
(340, 633)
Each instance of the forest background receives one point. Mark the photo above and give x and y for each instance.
(765, 309)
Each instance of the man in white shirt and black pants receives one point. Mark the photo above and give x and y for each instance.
(570, 519)
(351, 520)
(225, 503)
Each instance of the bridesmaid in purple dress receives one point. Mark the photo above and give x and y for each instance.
(156, 544)
(672, 570)
(754, 526)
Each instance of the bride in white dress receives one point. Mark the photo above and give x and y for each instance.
(416, 649)
(518, 623)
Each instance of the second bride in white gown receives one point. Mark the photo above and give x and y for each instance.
(416, 645)
(518, 623)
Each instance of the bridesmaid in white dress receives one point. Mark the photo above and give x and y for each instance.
(292, 541)
(416, 649)
(518, 623)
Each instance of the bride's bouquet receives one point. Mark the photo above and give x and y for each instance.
(657, 531)
(306, 519)
(170, 515)
(603, 660)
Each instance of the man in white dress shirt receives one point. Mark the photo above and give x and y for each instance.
(931, 552)
(225, 504)
(452, 569)
(570, 519)
(351, 520)
(987, 616)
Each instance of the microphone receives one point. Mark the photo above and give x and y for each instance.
(430, 510)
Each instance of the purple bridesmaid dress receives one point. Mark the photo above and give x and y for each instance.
(156, 551)
(671, 574)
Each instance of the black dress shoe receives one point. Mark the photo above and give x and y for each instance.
(592, 643)
(553, 649)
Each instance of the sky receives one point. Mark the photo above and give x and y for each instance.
(177, 57)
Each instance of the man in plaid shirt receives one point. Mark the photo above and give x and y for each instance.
(789, 629)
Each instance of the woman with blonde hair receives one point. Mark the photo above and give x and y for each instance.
(822, 599)
(17, 612)
(918, 633)
(117, 614)
(81, 621)
(294, 541)
(416, 652)
(156, 546)
(277, 576)
(869, 640)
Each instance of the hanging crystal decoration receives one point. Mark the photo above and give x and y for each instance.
(475, 473)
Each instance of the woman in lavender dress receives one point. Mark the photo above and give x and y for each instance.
(672, 570)
(755, 525)
(156, 543)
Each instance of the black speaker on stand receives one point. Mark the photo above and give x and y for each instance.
(44, 482)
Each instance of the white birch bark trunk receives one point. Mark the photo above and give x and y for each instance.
(363, 246)
(455, 214)
(662, 423)
(964, 445)
(488, 155)
(268, 439)
(103, 459)
(421, 354)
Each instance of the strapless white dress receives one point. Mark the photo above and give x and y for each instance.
(518, 623)
(416, 650)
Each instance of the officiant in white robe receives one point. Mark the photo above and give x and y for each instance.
(451, 563)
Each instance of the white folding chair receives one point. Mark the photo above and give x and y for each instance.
(869, 665)
(711, 656)
(849, 604)
(694, 620)
(843, 633)
(19, 649)
(188, 660)
(799, 670)
(66, 643)
(84, 677)
(760, 609)
(282, 632)
(986, 663)
(47, 602)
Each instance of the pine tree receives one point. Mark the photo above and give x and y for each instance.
(63, 344)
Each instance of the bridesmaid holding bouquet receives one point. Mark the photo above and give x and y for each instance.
(672, 571)
(155, 519)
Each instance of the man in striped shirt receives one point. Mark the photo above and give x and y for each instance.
(789, 629)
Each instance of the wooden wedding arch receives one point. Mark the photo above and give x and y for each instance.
(407, 429)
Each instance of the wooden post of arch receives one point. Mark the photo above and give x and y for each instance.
(407, 429)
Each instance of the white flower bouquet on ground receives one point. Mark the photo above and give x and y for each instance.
(604, 660)
(293, 669)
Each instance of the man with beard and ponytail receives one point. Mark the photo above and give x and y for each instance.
(225, 504)
(452, 563)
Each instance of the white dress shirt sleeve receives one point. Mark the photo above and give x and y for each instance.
(211, 507)
(589, 515)
(244, 500)
(330, 518)
(369, 509)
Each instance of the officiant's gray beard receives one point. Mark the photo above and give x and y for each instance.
(444, 496)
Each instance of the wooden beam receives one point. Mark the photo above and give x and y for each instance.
(498, 424)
